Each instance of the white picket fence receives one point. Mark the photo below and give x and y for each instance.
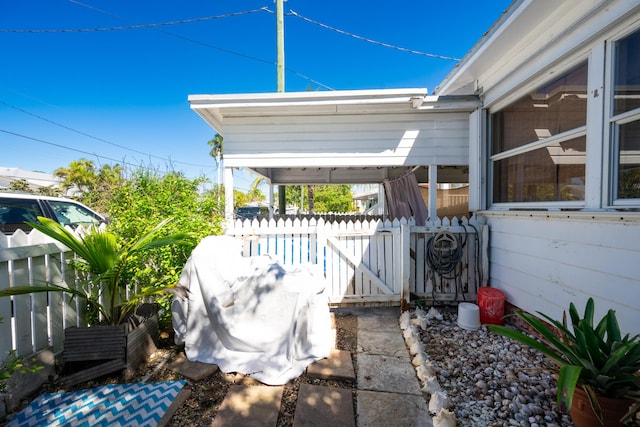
(36, 321)
(364, 262)
(373, 261)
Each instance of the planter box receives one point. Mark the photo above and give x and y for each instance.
(108, 348)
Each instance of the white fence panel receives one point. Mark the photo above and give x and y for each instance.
(36, 321)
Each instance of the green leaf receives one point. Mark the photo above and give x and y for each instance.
(525, 339)
(567, 380)
(588, 312)
(613, 329)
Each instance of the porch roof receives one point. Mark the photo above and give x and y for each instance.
(347, 137)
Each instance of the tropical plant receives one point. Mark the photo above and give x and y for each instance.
(106, 261)
(595, 357)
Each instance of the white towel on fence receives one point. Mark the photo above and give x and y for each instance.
(251, 314)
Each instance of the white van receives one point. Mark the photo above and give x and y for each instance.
(16, 208)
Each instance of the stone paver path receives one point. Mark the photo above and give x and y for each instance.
(387, 392)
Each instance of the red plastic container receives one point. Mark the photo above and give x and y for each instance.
(491, 303)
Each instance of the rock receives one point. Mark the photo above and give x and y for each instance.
(438, 402)
(444, 418)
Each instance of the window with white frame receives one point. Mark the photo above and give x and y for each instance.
(538, 144)
(625, 121)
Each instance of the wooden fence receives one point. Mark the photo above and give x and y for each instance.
(365, 262)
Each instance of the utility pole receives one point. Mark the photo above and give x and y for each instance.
(280, 44)
(282, 196)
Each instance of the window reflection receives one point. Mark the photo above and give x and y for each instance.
(552, 173)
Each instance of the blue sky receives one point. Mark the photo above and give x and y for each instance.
(120, 95)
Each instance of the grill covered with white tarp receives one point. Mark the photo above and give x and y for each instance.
(251, 314)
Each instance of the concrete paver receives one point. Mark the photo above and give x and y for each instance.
(323, 406)
(376, 409)
(390, 343)
(249, 406)
(387, 322)
(193, 370)
(338, 366)
(387, 373)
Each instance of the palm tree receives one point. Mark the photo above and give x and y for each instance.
(217, 147)
(80, 173)
(254, 193)
(217, 151)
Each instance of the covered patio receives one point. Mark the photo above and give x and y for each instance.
(341, 137)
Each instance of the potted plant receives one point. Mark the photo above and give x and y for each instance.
(104, 260)
(596, 363)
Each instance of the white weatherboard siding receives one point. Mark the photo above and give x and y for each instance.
(415, 138)
(543, 262)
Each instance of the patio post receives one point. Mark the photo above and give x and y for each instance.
(432, 206)
(228, 194)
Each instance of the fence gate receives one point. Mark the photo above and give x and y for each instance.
(362, 262)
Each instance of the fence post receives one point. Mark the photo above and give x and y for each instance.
(405, 266)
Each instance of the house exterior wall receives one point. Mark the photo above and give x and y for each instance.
(545, 261)
(547, 255)
(347, 140)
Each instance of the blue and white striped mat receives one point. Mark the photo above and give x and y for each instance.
(136, 404)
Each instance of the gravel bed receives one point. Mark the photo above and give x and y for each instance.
(485, 379)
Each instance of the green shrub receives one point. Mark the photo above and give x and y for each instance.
(147, 198)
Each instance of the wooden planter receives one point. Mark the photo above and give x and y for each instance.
(108, 348)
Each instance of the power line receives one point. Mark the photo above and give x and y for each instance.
(131, 27)
(65, 147)
(416, 52)
(98, 156)
(201, 43)
(100, 139)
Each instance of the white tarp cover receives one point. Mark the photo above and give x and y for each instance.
(250, 314)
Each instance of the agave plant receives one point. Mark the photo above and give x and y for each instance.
(597, 358)
(106, 260)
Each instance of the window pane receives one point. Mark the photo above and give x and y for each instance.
(629, 161)
(552, 109)
(552, 173)
(627, 74)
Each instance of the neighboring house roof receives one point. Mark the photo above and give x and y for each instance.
(35, 179)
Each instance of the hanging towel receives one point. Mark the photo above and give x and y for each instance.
(404, 199)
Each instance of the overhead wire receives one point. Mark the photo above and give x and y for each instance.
(131, 27)
(96, 155)
(157, 27)
(100, 139)
(205, 44)
(368, 40)
(66, 147)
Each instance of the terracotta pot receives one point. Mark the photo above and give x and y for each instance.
(613, 410)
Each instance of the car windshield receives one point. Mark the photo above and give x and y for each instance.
(72, 214)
